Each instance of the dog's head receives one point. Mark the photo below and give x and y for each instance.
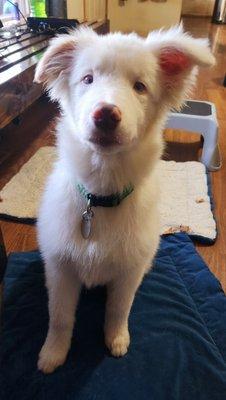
(114, 87)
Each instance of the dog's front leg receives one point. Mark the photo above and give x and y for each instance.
(63, 291)
(120, 296)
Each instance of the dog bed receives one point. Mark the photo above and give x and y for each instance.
(177, 325)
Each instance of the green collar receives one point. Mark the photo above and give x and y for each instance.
(105, 201)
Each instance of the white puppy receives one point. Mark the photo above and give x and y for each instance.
(115, 92)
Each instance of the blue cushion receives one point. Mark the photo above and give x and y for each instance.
(177, 325)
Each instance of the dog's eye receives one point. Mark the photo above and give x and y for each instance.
(88, 79)
(139, 87)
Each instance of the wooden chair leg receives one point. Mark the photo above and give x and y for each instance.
(224, 82)
(3, 261)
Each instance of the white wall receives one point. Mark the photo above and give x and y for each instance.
(143, 16)
(133, 16)
(94, 9)
(75, 9)
(198, 7)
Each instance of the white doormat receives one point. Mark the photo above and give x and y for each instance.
(185, 201)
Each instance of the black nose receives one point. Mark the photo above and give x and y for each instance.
(106, 116)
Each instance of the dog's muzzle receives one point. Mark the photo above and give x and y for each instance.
(106, 117)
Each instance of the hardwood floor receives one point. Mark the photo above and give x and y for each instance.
(19, 143)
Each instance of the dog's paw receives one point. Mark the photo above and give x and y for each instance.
(50, 359)
(118, 345)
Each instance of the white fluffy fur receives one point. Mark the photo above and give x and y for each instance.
(124, 238)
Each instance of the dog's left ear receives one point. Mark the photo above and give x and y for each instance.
(177, 56)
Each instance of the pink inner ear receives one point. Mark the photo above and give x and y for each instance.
(173, 61)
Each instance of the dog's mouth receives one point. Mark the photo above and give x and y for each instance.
(105, 140)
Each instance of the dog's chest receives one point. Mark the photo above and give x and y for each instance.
(98, 258)
(121, 237)
(115, 241)
(108, 229)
